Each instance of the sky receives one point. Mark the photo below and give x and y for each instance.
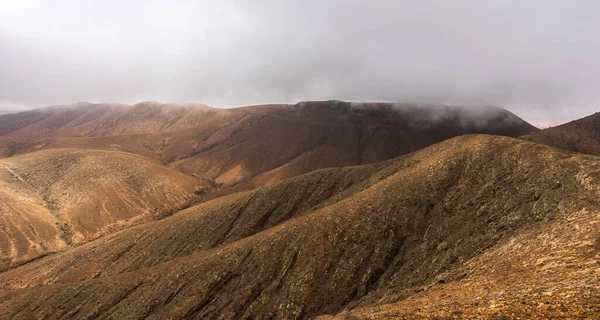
(539, 59)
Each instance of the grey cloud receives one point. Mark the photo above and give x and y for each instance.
(536, 58)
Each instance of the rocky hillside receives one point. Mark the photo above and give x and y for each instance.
(476, 225)
(56, 198)
(87, 119)
(74, 173)
(581, 135)
(252, 146)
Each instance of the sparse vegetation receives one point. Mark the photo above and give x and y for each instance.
(470, 227)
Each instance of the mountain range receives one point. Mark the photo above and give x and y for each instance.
(324, 209)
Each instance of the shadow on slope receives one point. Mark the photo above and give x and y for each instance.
(254, 146)
(375, 238)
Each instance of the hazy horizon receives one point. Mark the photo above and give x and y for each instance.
(537, 59)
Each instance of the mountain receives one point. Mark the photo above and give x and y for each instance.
(252, 146)
(581, 135)
(78, 172)
(105, 119)
(56, 198)
(6, 111)
(475, 226)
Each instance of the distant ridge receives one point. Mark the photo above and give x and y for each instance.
(581, 135)
(6, 111)
(255, 145)
(106, 119)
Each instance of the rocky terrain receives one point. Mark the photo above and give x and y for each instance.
(56, 198)
(73, 173)
(252, 146)
(452, 230)
(320, 209)
(581, 135)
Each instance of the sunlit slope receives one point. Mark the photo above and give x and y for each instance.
(254, 146)
(57, 197)
(341, 239)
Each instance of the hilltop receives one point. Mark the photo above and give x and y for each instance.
(252, 146)
(582, 135)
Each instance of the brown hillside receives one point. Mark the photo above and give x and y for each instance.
(450, 225)
(57, 197)
(581, 135)
(86, 119)
(253, 146)
(29, 229)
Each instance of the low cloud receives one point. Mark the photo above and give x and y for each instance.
(538, 59)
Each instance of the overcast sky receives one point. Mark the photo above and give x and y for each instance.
(539, 59)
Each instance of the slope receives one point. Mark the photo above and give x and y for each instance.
(367, 236)
(104, 119)
(581, 135)
(550, 272)
(274, 142)
(57, 197)
(253, 146)
(29, 229)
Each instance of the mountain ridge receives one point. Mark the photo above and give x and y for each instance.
(254, 145)
(581, 135)
(417, 221)
(83, 112)
(326, 209)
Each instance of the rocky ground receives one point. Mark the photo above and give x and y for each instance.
(474, 226)
(581, 135)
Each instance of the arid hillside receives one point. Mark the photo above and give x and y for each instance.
(74, 173)
(252, 146)
(87, 119)
(581, 135)
(56, 198)
(473, 226)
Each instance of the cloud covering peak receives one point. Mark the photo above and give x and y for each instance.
(538, 59)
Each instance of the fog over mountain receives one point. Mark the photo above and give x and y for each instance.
(539, 59)
(270, 159)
